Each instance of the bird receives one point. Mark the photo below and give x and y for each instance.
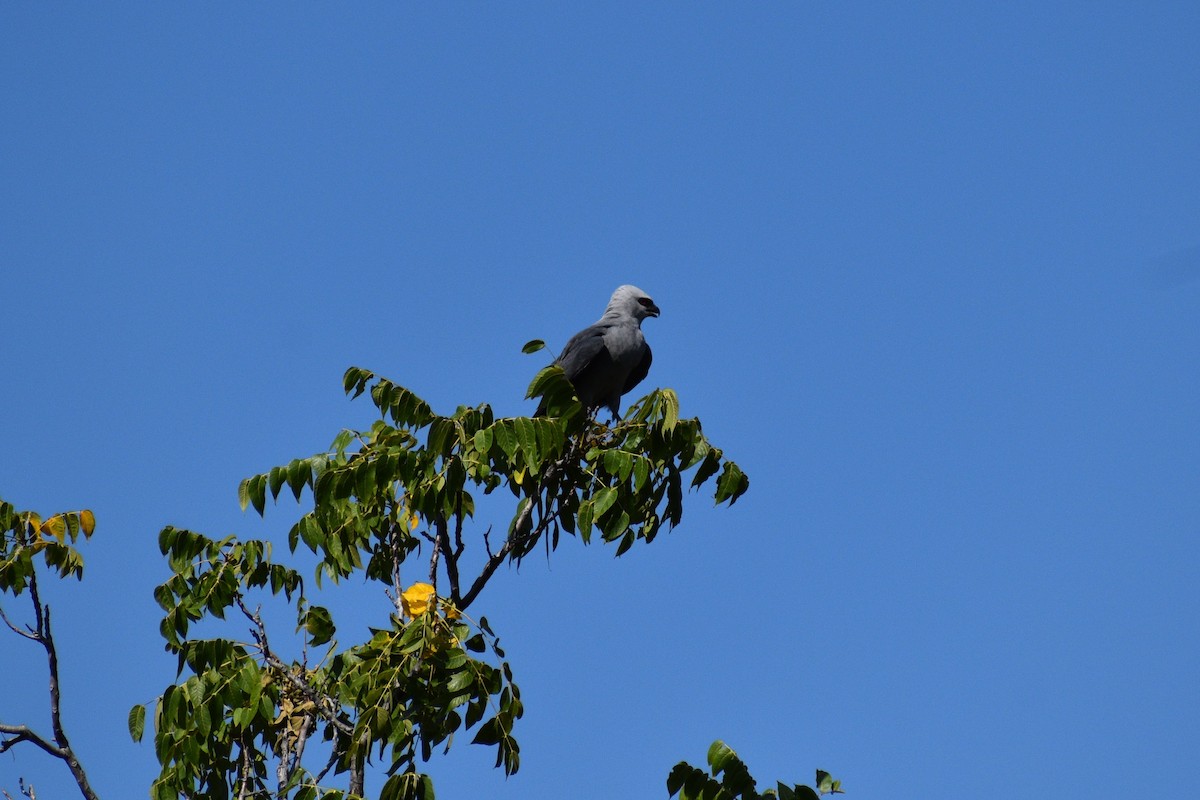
(608, 358)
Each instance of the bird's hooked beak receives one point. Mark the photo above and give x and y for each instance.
(648, 305)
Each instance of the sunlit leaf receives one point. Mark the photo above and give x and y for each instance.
(55, 526)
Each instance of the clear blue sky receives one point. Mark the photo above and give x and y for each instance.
(929, 274)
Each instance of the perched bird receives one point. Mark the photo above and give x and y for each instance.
(607, 359)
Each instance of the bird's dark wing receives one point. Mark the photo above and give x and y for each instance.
(639, 373)
(581, 350)
(583, 360)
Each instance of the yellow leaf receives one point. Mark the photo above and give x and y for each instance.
(33, 521)
(87, 521)
(414, 521)
(56, 526)
(416, 598)
(450, 611)
(518, 476)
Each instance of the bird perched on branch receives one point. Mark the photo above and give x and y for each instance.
(610, 357)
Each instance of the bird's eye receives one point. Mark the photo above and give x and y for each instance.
(645, 302)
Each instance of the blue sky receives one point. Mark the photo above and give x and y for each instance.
(929, 274)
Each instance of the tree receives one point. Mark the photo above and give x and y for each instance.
(404, 489)
(23, 537)
(301, 715)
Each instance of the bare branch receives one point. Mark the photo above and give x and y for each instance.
(246, 771)
(433, 558)
(443, 544)
(28, 633)
(522, 530)
(23, 733)
(496, 559)
(459, 547)
(333, 757)
(39, 628)
(61, 746)
(397, 585)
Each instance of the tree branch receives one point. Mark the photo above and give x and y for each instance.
(61, 748)
(28, 634)
(322, 702)
(22, 733)
(433, 558)
(522, 531)
(510, 544)
(443, 544)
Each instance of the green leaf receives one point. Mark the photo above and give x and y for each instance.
(670, 410)
(137, 722)
(356, 380)
(719, 755)
(299, 473)
(641, 470)
(276, 477)
(708, 467)
(441, 436)
(532, 346)
(678, 777)
(506, 437)
(460, 680)
(162, 790)
(489, 733)
(319, 625)
(258, 493)
(527, 437)
(603, 500)
(364, 481)
(618, 463)
(826, 784)
(584, 520)
(732, 484)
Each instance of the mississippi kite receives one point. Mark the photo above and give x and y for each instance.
(607, 359)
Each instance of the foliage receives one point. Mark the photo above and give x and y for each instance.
(693, 783)
(23, 536)
(406, 488)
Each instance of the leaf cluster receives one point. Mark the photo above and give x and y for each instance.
(243, 708)
(729, 778)
(24, 535)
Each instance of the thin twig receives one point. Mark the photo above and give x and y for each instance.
(28, 633)
(496, 559)
(517, 541)
(320, 701)
(333, 757)
(61, 747)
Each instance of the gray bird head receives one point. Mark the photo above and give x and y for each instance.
(631, 301)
